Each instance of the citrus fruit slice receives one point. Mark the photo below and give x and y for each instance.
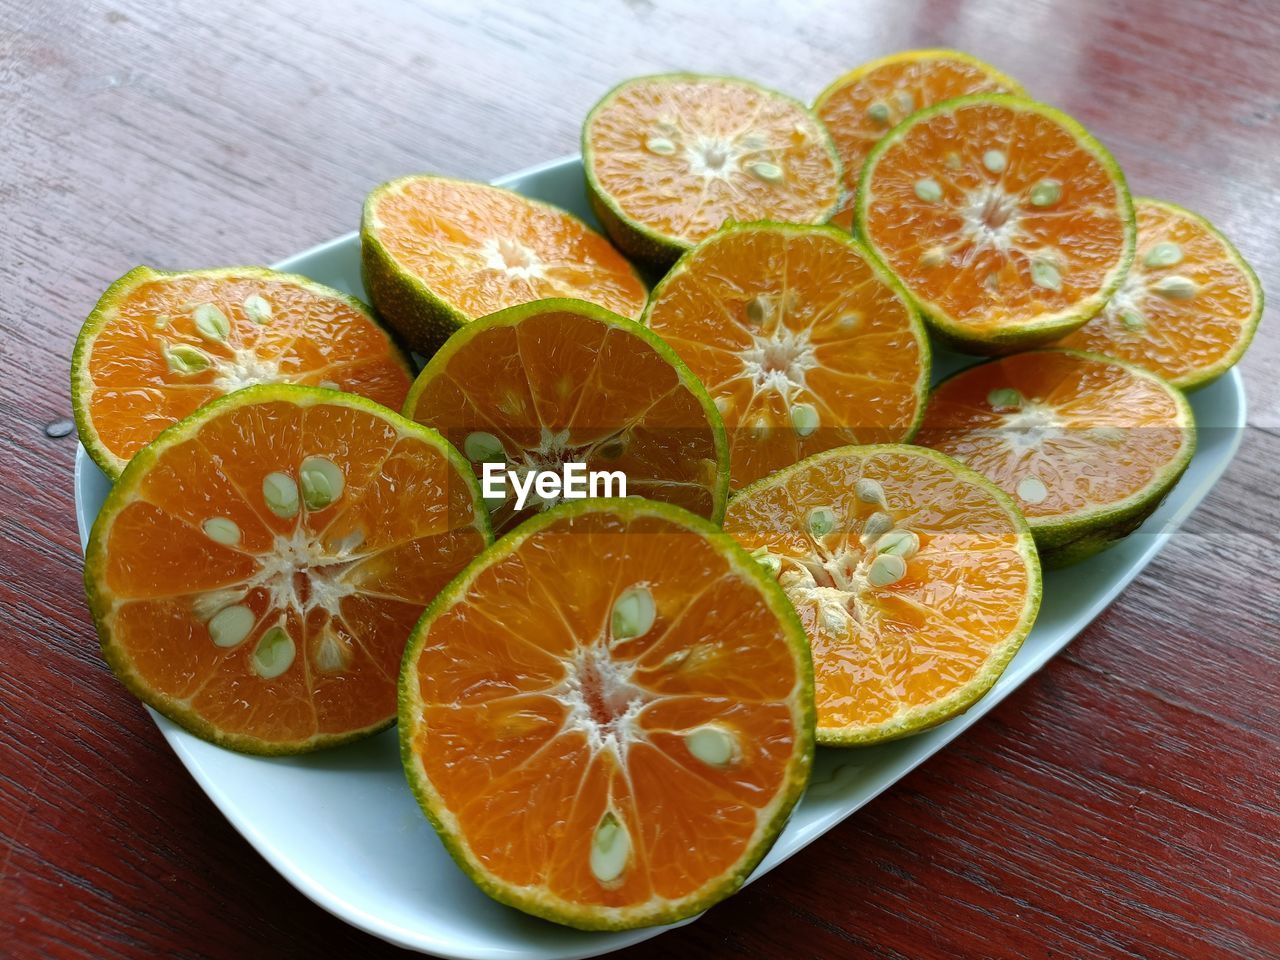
(863, 105)
(1189, 305)
(545, 384)
(669, 159)
(438, 252)
(609, 715)
(802, 340)
(1005, 220)
(916, 580)
(256, 571)
(1087, 446)
(159, 345)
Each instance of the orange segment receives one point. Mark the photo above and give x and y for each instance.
(608, 718)
(440, 252)
(255, 573)
(1086, 446)
(671, 158)
(1187, 308)
(863, 105)
(802, 341)
(916, 581)
(1004, 219)
(561, 381)
(160, 345)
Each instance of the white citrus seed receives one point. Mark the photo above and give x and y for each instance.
(230, 625)
(222, 530)
(633, 613)
(281, 494)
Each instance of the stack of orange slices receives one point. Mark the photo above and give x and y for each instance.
(609, 713)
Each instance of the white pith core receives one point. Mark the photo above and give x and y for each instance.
(991, 219)
(1129, 297)
(298, 573)
(779, 362)
(725, 157)
(512, 258)
(244, 369)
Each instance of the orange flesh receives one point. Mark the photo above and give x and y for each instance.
(312, 339)
(560, 387)
(718, 131)
(832, 335)
(881, 651)
(406, 519)
(480, 248)
(523, 695)
(974, 255)
(1081, 432)
(870, 103)
(1178, 337)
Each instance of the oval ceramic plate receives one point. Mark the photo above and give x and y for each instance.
(343, 827)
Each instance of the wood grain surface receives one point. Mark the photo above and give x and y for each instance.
(1123, 803)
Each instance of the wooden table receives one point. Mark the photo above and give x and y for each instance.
(1121, 804)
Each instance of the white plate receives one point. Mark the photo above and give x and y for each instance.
(344, 829)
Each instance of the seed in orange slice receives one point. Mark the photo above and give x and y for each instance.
(1004, 219)
(543, 384)
(916, 580)
(437, 253)
(802, 340)
(159, 345)
(256, 571)
(1086, 446)
(1189, 305)
(671, 158)
(867, 102)
(608, 716)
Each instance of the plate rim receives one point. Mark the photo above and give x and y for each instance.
(414, 940)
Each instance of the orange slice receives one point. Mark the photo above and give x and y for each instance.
(1087, 446)
(863, 105)
(1189, 305)
(439, 252)
(671, 158)
(802, 340)
(255, 572)
(159, 345)
(1005, 220)
(915, 578)
(609, 716)
(540, 385)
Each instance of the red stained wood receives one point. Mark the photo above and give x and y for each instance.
(1123, 803)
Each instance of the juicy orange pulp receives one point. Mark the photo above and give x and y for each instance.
(346, 582)
(310, 337)
(559, 385)
(682, 155)
(1036, 238)
(1058, 431)
(1187, 305)
(799, 340)
(883, 653)
(862, 106)
(535, 725)
(481, 248)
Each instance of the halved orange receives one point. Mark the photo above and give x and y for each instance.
(671, 158)
(159, 345)
(1189, 305)
(916, 580)
(255, 572)
(608, 717)
(802, 340)
(438, 253)
(1087, 446)
(864, 104)
(544, 384)
(1004, 219)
